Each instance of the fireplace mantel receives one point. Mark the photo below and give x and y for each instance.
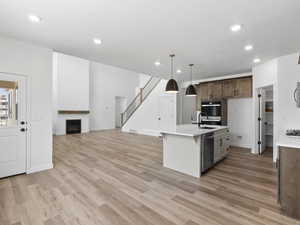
(73, 112)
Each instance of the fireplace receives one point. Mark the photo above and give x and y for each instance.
(73, 126)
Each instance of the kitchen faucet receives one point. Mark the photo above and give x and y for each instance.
(199, 119)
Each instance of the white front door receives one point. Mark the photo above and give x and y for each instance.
(166, 113)
(12, 125)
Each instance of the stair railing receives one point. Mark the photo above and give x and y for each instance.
(139, 99)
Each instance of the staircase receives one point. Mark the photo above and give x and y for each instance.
(139, 99)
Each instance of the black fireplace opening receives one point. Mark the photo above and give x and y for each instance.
(73, 126)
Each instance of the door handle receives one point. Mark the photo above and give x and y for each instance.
(23, 122)
(23, 129)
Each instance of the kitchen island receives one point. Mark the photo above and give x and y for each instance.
(193, 150)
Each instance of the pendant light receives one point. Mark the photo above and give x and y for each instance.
(172, 86)
(191, 91)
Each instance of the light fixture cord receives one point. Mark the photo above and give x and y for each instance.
(172, 64)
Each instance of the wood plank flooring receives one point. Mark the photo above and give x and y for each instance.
(114, 178)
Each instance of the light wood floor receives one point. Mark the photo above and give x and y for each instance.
(112, 178)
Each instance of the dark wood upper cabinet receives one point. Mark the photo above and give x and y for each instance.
(215, 90)
(229, 88)
(198, 98)
(203, 91)
(243, 87)
(210, 90)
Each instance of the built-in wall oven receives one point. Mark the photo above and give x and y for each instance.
(214, 112)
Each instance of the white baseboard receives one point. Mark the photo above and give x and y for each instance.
(40, 168)
(149, 133)
(154, 133)
(63, 134)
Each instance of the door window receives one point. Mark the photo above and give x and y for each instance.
(8, 103)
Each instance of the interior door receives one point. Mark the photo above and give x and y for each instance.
(13, 125)
(120, 107)
(166, 113)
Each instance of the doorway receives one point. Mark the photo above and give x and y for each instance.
(166, 113)
(265, 120)
(13, 125)
(120, 107)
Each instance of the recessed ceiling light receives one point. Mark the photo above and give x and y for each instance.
(178, 71)
(34, 18)
(256, 60)
(236, 27)
(97, 41)
(157, 63)
(248, 47)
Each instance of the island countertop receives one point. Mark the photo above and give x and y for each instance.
(192, 130)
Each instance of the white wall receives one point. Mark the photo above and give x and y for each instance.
(186, 105)
(143, 79)
(264, 75)
(240, 122)
(283, 74)
(288, 114)
(107, 82)
(54, 92)
(35, 63)
(145, 119)
(72, 82)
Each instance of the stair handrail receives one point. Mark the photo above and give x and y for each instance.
(133, 101)
(142, 99)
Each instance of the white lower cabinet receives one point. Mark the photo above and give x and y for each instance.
(221, 144)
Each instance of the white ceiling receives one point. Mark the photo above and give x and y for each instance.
(136, 33)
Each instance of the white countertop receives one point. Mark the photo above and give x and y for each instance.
(192, 130)
(289, 141)
(288, 145)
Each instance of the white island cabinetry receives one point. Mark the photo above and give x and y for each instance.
(185, 149)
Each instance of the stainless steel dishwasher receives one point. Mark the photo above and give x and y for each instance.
(207, 151)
